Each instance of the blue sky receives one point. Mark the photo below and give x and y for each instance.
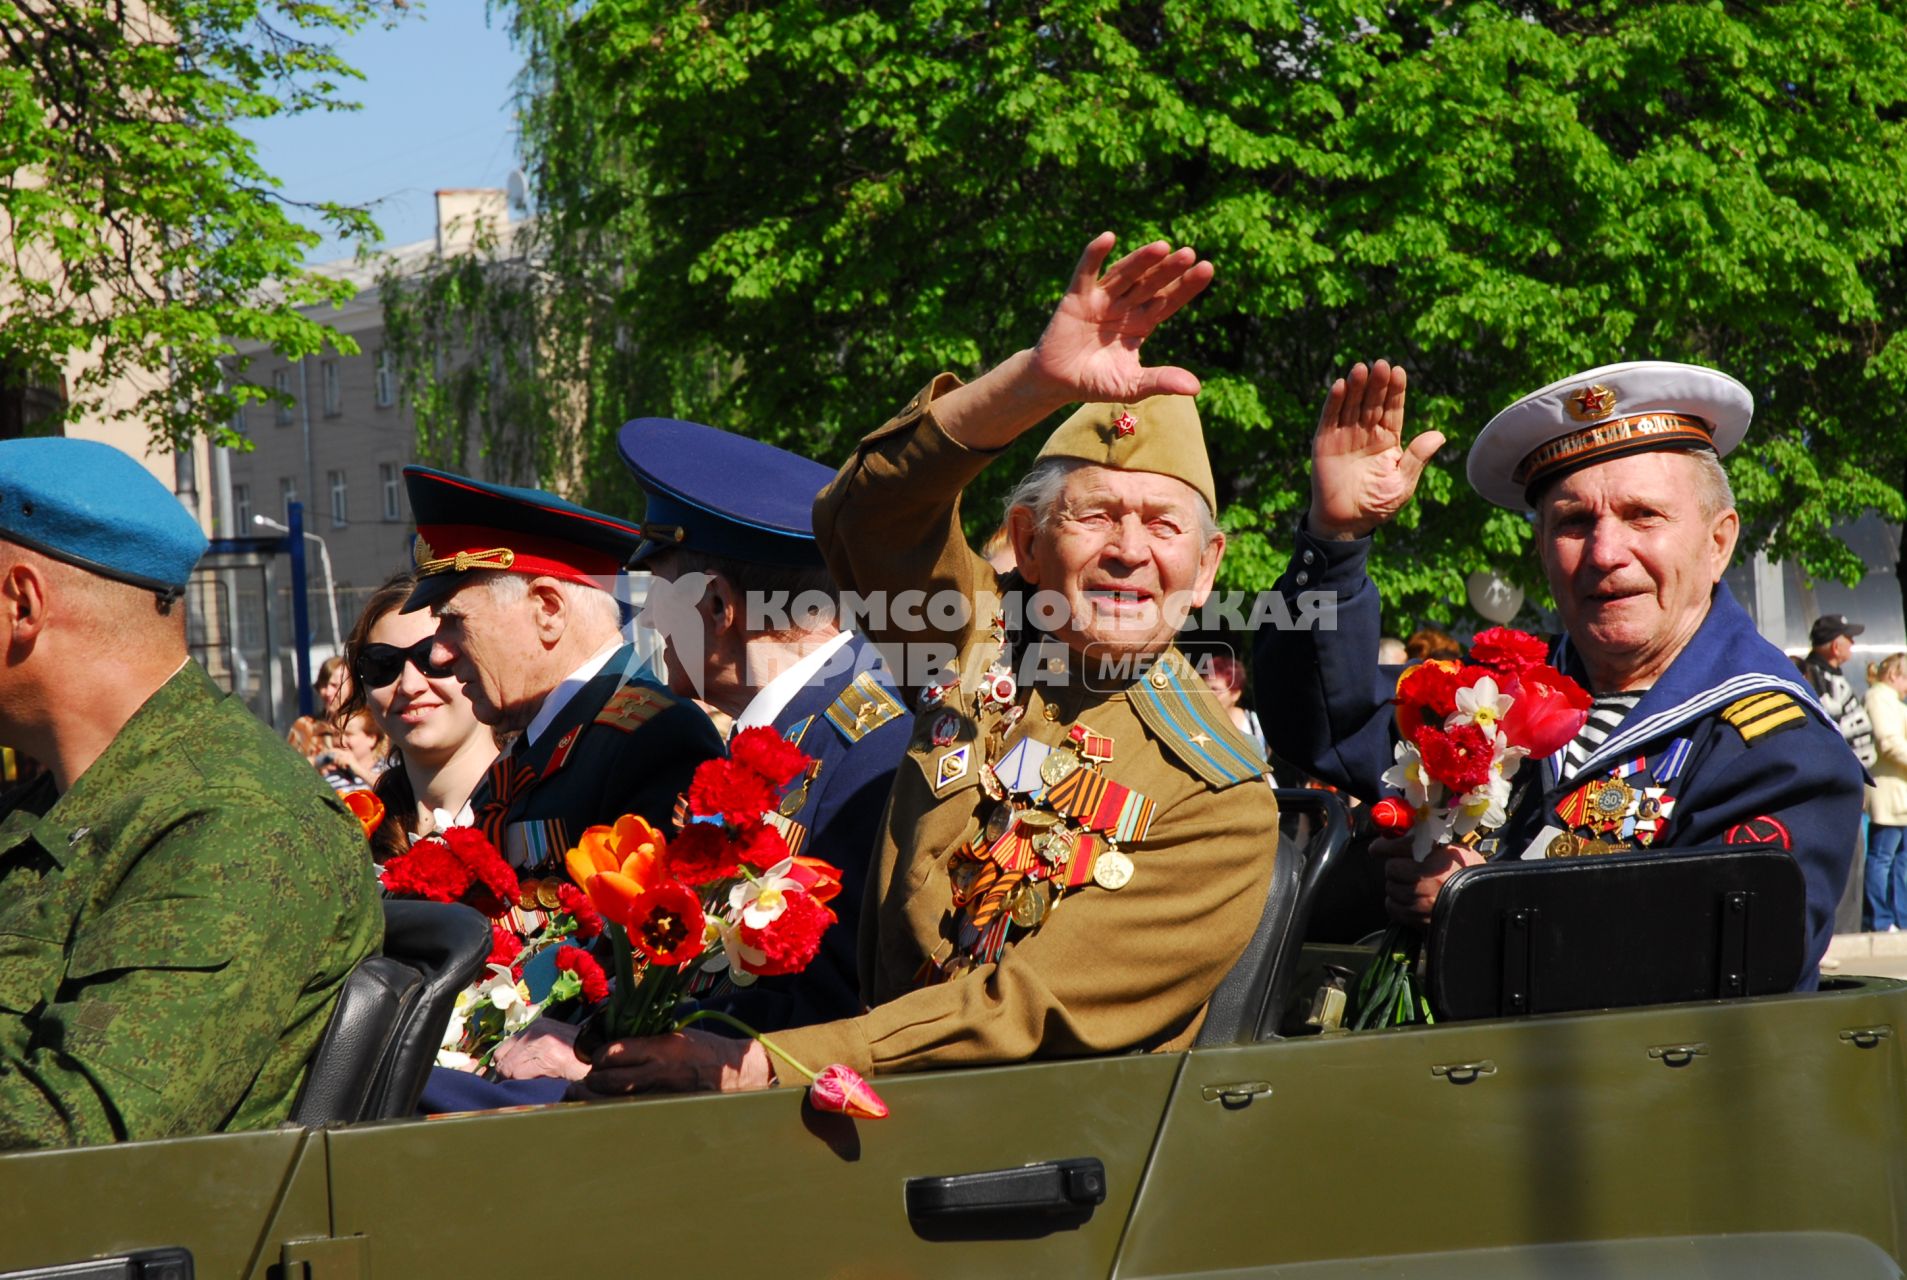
(436, 98)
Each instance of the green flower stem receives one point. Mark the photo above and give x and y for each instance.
(750, 1032)
(622, 955)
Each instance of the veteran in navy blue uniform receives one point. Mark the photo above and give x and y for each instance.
(1701, 733)
(728, 519)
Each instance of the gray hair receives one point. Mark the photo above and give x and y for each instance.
(1717, 494)
(1041, 489)
(596, 609)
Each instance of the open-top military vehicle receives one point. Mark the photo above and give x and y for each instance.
(1709, 1129)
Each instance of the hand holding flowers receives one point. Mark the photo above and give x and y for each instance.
(1464, 730)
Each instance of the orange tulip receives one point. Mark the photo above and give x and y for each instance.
(615, 865)
(366, 807)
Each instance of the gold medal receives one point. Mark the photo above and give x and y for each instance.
(1112, 869)
(1027, 907)
(990, 783)
(1564, 845)
(1057, 767)
(1609, 803)
(547, 896)
(526, 895)
(1038, 819)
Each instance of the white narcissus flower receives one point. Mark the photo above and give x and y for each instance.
(1408, 776)
(1432, 828)
(455, 1060)
(761, 901)
(1481, 704)
(509, 997)
(726, 947)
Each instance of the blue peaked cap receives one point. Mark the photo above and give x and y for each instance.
(96, 507)
(722, 494)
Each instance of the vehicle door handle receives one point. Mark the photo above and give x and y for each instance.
(1047, 1187)
(168, 1263)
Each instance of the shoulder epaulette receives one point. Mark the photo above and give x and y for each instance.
(1760, 714)
(1179, 708)
(634, 705)
(863, 707)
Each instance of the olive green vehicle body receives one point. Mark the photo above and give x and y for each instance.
(1756, 1137)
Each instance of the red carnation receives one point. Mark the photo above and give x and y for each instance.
(665, 923)
(791, 939)
(496, 887)
(579, 962)
(1507, 649)
(428, 870)
(589, 921)
(769, 754)
(761, 846)
(703, 854)
(1550, 710)
(1459, 759)
(505, 948)
(1426, 695)
(734, 792)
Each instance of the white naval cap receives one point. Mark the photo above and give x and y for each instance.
(1606, 412)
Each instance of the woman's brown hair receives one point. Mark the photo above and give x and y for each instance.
(392, 835)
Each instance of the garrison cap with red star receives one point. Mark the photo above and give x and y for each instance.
(466, 525)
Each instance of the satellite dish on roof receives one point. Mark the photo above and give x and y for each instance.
(516, 189)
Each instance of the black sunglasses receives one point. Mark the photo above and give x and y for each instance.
(380, 664)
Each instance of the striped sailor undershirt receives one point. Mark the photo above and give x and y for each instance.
(1605, 715)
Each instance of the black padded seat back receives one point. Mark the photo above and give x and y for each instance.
(1251, 997)
(1555, 935)
(446, 944)
(363, 1026)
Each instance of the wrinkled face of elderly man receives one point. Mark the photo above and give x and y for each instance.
(1130, 553)
(1633, 548)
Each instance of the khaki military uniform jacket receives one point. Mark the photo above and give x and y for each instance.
(1106, 970)
(174, 929)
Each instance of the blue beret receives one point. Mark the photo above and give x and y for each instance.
(93, 506)
(723, 494)
(465, 525)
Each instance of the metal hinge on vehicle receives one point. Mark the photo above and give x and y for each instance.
(326, 1258)
(1866, 1037)
(1237, 1094)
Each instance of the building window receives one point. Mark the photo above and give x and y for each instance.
(281, 385)
(386, 380)
(242, 509)
(287, 494)
(391, 481)
(340, 500)
(333, 392)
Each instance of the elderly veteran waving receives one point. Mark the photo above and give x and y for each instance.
(1701, 733)
(1078, 844)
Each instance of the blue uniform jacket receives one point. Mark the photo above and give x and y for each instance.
(842, 820)
(1326, 705)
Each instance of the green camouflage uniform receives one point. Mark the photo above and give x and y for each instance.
(174, 930)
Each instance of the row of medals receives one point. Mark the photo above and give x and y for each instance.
(1055, 840)
(1610, 801)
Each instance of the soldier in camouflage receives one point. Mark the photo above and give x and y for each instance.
(181, 896)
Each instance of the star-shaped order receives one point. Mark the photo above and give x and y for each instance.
(1124, 425)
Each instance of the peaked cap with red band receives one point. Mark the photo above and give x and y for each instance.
(465, 525)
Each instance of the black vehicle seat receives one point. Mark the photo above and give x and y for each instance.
(356, 1042)
(1618, 930)
(390, 1020)
(1251, 998)
(447, 944)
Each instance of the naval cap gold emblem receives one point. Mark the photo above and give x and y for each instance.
(1592, 403)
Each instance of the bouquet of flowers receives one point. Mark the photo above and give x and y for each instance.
(725, 893)
(459, 864)
(1463, 731)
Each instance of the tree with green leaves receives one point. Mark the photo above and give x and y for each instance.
(140, 235)
(784, 219)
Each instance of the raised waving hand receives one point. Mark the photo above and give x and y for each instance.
(1362, 473)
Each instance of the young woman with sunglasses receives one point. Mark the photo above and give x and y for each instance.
(442, 751)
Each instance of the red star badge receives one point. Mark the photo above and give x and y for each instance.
(1124, 425)
(1592, 403)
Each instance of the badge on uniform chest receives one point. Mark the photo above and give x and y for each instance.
(1626, 810)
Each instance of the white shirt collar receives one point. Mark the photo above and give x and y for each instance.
(558, 698)
(779, 692)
